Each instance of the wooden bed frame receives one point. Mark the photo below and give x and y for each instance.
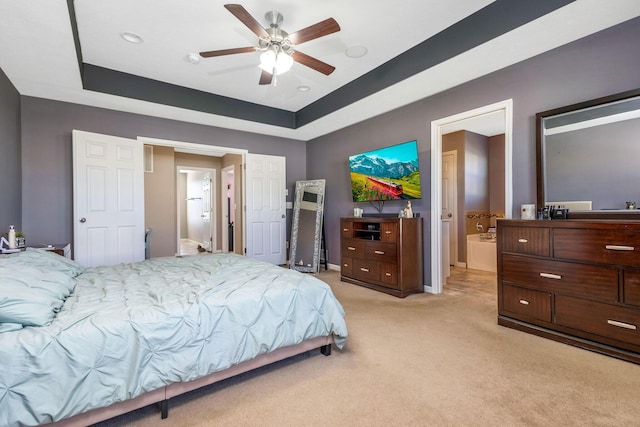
(163, 394)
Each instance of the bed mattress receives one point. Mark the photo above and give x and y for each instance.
(132, 328)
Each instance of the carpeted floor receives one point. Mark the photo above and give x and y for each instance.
(424, 360)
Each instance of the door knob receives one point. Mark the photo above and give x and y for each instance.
(450, 215)
(283, 215)
(83, 219)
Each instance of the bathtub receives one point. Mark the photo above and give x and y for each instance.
(481, 253)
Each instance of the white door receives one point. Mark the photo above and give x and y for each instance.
(108, 199)
(207, 230)
(265, 208)
(449, 236)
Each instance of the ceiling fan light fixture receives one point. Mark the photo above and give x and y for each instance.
(275, 61)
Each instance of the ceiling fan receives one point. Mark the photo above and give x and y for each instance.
(276, 45)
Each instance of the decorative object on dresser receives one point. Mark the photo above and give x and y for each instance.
(573, 281)
(384, 254)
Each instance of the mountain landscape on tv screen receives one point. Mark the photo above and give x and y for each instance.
(379, 167)
(375, 178)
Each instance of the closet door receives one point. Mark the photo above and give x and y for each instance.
(108, 199)
(266, 208)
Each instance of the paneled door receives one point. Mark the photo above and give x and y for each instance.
(266, 208)
(448, 217)
(108, 199)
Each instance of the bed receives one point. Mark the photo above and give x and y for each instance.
(81, 345)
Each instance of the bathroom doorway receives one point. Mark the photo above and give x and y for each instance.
(478, 120)
(196, 209)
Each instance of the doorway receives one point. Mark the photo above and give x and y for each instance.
(501, 113)
(196, 207)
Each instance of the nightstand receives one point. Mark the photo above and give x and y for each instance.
(62, 249)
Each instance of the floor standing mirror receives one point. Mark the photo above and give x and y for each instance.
(306, 228)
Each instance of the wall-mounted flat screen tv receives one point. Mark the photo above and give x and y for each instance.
(390, 173)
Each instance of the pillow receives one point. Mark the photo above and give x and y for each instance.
(43, 259)
(30, 296)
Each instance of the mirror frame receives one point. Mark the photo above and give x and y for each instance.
(317, 241)
(540, 166)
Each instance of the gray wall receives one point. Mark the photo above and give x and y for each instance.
(476, 172)
(599, 65)
(47, 160)
(10, 181)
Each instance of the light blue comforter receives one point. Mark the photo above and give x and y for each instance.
(133, 328)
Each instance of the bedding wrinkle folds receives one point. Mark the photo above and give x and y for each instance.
(132, 328)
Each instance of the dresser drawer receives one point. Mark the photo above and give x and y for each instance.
(610, 321)
(346, 229)
(527, 304)
(389, 275)
(367, 271)
(353, 248)
(632, 287)
(562, 277)
(525, 240)
(346, 266)
(389, 232)
(620, 247)
(379, 251)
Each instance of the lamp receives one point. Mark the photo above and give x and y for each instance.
(275, 61)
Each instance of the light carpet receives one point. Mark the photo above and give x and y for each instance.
(425, 360)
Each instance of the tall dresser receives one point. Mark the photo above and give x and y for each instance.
(573, 281)
(384, 254)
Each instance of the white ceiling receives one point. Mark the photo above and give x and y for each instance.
(37, 51)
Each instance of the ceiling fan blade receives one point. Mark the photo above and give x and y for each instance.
(241, 13)
(320, 29)
(313, 63)
(265, 78)
(212, 53)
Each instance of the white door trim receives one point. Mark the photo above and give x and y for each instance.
(436, 179)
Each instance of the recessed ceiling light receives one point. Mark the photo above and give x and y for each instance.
(194, 58)
(304, 88)
(356, 51)
(131, 37)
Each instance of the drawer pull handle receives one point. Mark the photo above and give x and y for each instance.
(621, 324)
(346, 265)
(387, 232)
(378, 252)
(551, 276)
(619, 248)
(345, 229)
(387, 274)
(366, 270)
(351, 248)
(524, 302)
(523, 240)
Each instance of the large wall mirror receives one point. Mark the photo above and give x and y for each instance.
(587, 156)
(306, 227)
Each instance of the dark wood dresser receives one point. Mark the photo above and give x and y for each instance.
(573, 281)
(384, 254)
